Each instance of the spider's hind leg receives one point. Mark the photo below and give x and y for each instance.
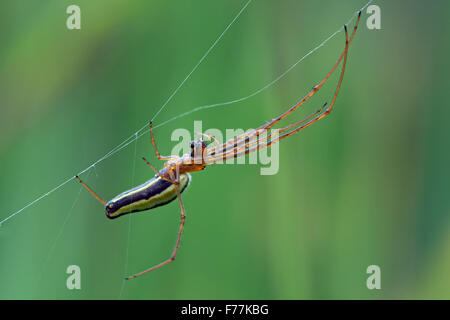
(177, 243)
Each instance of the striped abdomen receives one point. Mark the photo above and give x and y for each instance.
(154, 193)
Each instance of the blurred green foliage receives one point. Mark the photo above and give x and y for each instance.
(368, 185)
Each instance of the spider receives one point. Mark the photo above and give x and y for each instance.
(169, 182)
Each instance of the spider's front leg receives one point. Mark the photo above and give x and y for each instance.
(210, 137)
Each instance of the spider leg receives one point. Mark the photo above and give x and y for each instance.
(321, 83)
(90, 190)
(230, 145)
(317, 87)
(158, 155)
(175, 250)
(210, 136)
(269, 137)
(261, 143)
(154, 169)
(278, 131)
(301, 121)
(328, 110)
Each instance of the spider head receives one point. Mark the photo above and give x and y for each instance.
(197, 147)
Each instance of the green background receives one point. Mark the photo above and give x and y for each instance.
(368, 185)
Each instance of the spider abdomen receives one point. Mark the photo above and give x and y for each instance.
(153, 193)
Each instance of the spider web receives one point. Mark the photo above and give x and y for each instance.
(144, 129)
